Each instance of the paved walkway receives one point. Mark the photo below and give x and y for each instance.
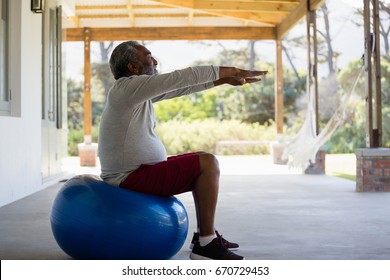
(272, 211)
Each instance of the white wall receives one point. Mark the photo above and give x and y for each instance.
(20, 136)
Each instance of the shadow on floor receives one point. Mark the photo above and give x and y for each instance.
(275, 216)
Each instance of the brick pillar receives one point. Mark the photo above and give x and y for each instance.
(88, 154)
(373, 170)
(317, 167)
(277, 149)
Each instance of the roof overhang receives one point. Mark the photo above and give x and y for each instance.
(115, 20)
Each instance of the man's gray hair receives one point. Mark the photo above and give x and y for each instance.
(121, 56)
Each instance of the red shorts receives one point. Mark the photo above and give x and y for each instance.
(174, 176)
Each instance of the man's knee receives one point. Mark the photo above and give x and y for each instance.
(209, 162)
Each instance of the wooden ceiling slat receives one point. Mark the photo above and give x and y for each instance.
(156, 16)
(249, 16)
(273, 17)
(118, 7)
(244, 6)
(255, 1)
(173, 33)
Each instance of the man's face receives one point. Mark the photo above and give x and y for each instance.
(147, 64)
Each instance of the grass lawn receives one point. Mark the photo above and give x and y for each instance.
(341, 165)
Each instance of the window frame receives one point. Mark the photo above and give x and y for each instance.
(5, 90)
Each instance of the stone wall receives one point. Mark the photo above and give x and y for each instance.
(373, 170)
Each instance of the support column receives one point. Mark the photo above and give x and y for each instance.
(372, 75)
(87, 150)
(87, 87)
(378, 86)
(373, 162)
(279, 88)
(317, 167)
(312, 60)
(277, 147)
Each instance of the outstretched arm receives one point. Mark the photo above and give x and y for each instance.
(236, 77)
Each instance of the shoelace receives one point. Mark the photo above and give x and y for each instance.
(220, 236)
(220, 241)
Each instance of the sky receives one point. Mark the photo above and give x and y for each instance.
(348, 40)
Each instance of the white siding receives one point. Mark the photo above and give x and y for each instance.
(20, 141)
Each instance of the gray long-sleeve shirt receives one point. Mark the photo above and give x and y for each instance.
(127, 138)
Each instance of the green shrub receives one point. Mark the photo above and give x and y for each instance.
(181, 136)
(203, 135)
(76, 136)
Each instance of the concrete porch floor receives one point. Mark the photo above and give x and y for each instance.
(273, 212)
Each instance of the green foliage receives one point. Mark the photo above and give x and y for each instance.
(197, 122)
(386, 126)
(76, 136)
(249, 103)
(256, 102)
(204, 134)
(346, 139)
(75, 104)
(195, 106)
(75, 108)
(352, 134)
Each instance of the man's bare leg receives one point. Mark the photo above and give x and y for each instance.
(205, 193)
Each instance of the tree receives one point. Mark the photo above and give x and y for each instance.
(75, 104)
(101, 70)
(384, 26)
(328, 85)
(290, 61)
(325, 49)
(352, 134)
(254, 103)
(252, 55)
(330, 56)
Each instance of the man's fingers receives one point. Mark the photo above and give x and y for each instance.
(253, 73)
(252, 80)
(261, 73)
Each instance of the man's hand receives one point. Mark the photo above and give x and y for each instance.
(240, 73)
(238, 77)
(236, 81)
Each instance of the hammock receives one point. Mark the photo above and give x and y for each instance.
(301, 150)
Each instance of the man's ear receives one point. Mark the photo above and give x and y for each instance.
(134, 69)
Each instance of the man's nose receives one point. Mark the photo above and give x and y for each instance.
(155, 61)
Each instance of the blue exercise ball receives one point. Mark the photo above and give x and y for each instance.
(91, 219)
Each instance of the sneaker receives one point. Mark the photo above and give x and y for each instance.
(215, 250)
(229, 245)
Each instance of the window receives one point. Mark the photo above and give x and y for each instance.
(4, 40)
(52, 95)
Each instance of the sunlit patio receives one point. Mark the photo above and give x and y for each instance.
(272, 211)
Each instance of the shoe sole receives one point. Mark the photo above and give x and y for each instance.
(230, 249)
(197, 257)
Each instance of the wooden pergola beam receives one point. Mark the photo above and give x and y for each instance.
(264, 5)
(173, 33)
(244, 6)
(292, 19)
(242, 10)
(274, 6)
(263, 12)
(263, 18)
